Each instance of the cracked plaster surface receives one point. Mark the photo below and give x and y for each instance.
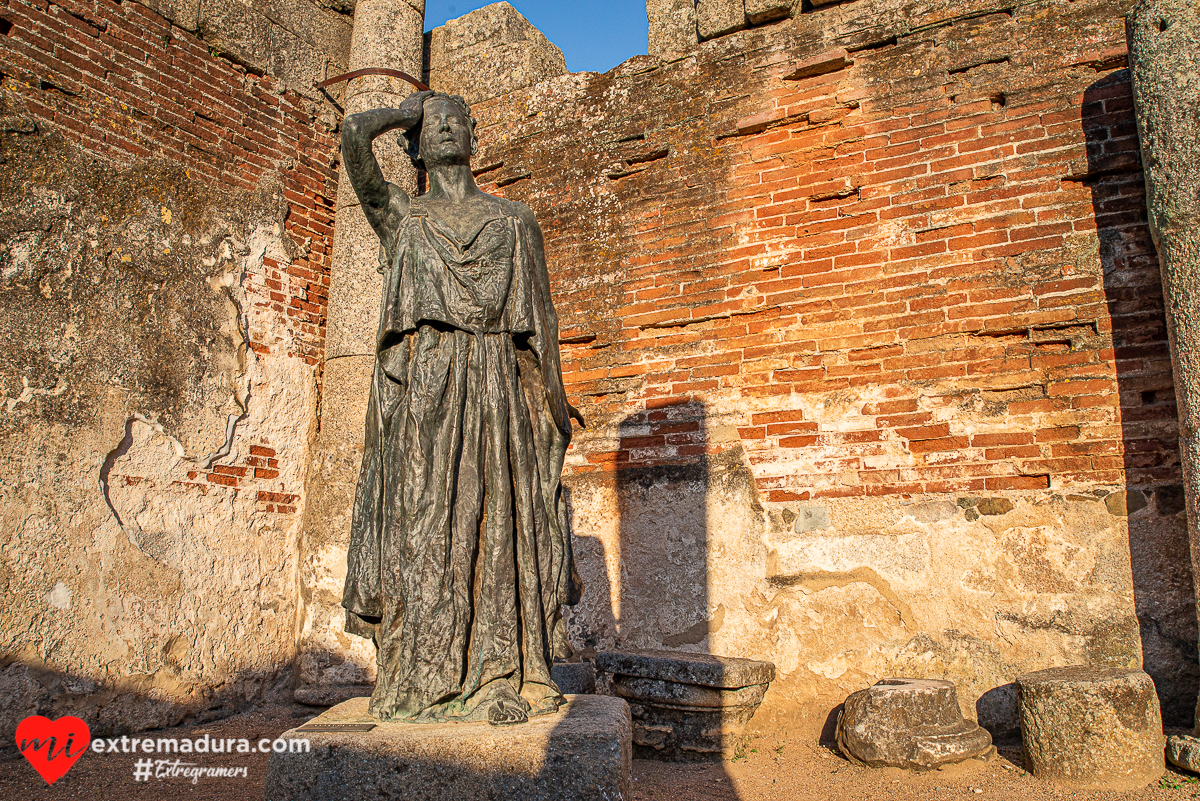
(140, 593)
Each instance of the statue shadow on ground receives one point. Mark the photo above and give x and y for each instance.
(1160, 556)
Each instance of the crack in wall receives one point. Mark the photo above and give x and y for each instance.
(28, 393)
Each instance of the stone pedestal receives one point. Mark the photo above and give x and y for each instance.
(908, 723)
(582, 753)
(686, 706)
(1091, 727)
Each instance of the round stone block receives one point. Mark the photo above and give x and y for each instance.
(908, 723)
(1091, 727)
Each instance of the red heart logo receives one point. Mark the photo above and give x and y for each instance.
(52, 746)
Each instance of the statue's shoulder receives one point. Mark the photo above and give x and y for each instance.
(518, 210)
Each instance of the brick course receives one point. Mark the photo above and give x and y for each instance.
(904, 225)
(124, 84)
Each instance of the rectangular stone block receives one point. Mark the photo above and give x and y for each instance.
(490, 52)
(672, 26)
(719, 17)
(582, 753)
(760, 11)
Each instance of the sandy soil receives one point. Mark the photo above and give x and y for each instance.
(769, 770)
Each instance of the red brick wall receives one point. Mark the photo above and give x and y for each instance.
(887, 254)
(121, 82)
(778, 219)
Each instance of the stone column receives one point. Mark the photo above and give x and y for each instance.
(331, 665)
(1164, 59)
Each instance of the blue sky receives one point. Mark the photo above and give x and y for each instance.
(594, 35)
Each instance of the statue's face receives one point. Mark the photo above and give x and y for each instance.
(445, 133)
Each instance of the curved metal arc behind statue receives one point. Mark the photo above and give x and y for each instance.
(404, 76)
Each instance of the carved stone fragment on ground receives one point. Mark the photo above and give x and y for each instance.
(686, 706)
(909, 723)
(1091, 727)
(1183, 751)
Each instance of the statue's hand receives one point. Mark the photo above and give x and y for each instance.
(413, 108)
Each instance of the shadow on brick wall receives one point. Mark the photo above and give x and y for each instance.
(662, 493)
(1153, 493)
(662, 487)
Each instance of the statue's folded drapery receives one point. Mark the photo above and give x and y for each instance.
(460, 558)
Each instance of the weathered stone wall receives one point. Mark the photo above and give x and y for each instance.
(860, 304)
(163, 272)
(490, 52)
(864, 314)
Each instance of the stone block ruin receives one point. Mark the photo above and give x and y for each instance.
(860, 301)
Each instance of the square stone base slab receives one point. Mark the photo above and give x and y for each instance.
(582, 753)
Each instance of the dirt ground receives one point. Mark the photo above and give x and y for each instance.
(769, 770)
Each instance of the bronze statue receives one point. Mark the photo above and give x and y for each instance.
(460, 557)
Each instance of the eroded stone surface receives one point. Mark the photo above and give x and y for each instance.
(581, 753)
(908, 723)
(686, 706)
(672, 26)
(1091, 727)
(1184, 752)
(574, 678)
(152, 460)
(762, 11)
(719, 17)
(705, 670)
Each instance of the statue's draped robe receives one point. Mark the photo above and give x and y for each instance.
(460, 558)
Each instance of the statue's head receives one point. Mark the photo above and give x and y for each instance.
(444, 135)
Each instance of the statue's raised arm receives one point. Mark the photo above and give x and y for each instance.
(385, 204)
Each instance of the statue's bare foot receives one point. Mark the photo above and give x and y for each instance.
(542, 699)
(504, 712)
